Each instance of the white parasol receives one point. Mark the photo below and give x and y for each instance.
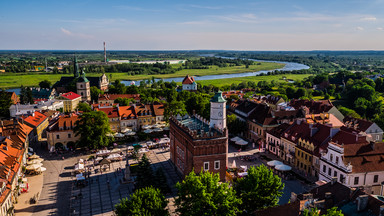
(119, 135)
(274, 163)
(241, 142)
(33, 166)
(148, 131)
(34, 156)
(233, 164)
(41, 169)
(283, 167)
(235, 139)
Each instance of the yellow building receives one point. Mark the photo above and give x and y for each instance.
(61, 135)
(70, 101)
(39, 123)
(144, 115)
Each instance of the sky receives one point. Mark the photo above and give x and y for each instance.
(192, 25)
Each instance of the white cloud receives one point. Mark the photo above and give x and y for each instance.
(369, 18)
(65, 31)
(359, 28)
(380, 28)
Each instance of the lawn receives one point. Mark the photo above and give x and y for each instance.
(278, 78)
(13, 80)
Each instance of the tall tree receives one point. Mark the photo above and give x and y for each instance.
(259, 189)
(203, 195)
(45, 84)
(93, 127)
(145, 177)
(174, 108)
(5, 103)
(124, 101)
(143, 202)
(95, 92)
(26, 95)
(84, 107)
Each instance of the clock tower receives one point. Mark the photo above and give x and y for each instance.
(218, 111)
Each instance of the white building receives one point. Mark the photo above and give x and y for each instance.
(354, 161)
(273, 139)
(189, 84)
(21, 109)
(218, 112)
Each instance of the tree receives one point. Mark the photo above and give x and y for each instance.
(348, 112)
(315, 212)
(5, 103)
(84, 107)
(45, 84)
(202, 194)
(124, 101)
(235, 125)
(143, 202)
(93, 127)
(145, 177)
(174, 108)
(95, 92)
(26, 95)
(259, 189)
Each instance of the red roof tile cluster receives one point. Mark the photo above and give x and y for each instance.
(36, 119)
(366, 157)
(115, 96)
(228, 94)
(142, 110)
(188, 80)
(269, 99)
(315, 107)
(158, 109)
(67, 121)
(71, 95)
(127, 112)
(357, 124)
(111, 112)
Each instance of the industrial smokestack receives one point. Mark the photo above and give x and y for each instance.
(105, 54)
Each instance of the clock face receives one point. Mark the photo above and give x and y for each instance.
(220, 114)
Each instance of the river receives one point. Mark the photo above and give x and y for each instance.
(289, 66)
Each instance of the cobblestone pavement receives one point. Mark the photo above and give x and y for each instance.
(104, 190)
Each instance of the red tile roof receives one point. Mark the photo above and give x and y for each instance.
(188, 80)
(158, 109)
(111, 112)
(35, 119)
(357, 124)
(71, 95)
(366, 157)
(315, 107)
(67, 121)
(127, 112)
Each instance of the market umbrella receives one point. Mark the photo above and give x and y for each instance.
(33, 166)
(283, 167)
(33, 162)
(146, 127)
(126, 130)
(41, 169)
(148, 131)
(158, 130)
(235, 139)
(119, 135)
(241, 142)
(34, 156)
(274, 163)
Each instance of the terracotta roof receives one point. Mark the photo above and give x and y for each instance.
(270, 99)
(279, 130)
(345, 137)
(315, 107)
(36, 119)
(115, 96)
(70, 95)
(127, 112)
(111, 112)
(67, 121)
(188, 80)
(358, 124)
(262, 115)
(366, 157)
(158, 109)
(296, 131)
(142, 110)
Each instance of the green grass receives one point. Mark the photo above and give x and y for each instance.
(15, 80)
(229, 81)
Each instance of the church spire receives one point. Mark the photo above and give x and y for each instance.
(76, 68)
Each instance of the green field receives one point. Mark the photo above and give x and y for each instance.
(229, 81)
(15, 80)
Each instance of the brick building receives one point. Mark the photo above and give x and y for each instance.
(198, 144)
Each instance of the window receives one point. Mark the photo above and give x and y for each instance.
(69, 135)
(331, 157)
(57, 136)
(305, 156)
(81, 86)
(217, 165)
(329, 171)
(324, 169)
(356, 180)
(377, 137)
(334, 173)
(206, 166)
(375, 178)
(337, 160)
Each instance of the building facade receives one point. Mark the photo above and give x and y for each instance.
(189, 84)
(39, 123)
(196, 145)
(60, 135)
(70, 101)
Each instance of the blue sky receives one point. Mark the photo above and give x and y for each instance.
(180, 25)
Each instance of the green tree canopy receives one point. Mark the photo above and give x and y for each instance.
(143, 202)
(84, 107)
(26, 95)
(202, 194)
(235, 125)
(259, 189)
(124, 101)
(315, 212)
(95, 92)
(45, 84)
(93, 127)
(5, 103)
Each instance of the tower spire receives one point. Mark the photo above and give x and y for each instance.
(76, 70)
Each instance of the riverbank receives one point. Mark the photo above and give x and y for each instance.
(15, 80)
(269, 78)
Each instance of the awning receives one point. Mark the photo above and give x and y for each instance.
(235, 139)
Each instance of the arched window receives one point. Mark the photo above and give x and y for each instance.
(81, 86)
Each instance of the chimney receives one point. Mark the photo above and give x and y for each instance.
(362, 202)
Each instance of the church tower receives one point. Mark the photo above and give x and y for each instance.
(218, 111)
(76, 70)
(83, 87)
